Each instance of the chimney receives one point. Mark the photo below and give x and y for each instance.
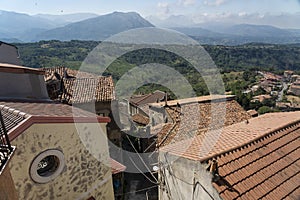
(166, 98)
(213, 169)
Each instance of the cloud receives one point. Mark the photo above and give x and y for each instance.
(164, 7)
(241, 14)
(187, 2)
(214, 2)
(283, 20)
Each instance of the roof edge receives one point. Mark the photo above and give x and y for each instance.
(199, 99)
(18, 130)
(17, 69)
(294, 123)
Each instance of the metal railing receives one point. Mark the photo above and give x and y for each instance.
(5, 147)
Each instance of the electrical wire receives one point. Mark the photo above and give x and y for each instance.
(141, 190)
(192, 184)
(141, 159)
(142, 172)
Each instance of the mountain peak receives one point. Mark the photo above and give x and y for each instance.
(97, 28)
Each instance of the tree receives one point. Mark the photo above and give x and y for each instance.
(264, 109)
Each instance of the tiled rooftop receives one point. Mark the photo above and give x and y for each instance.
(195, 118)
(231, 137)
(11, 117)
(252, 112)
(70, 72)
(257, 159)
(51, 109)
(266, 169)
(153, 97)
(140, 119)
(83, 90)
(83, 87)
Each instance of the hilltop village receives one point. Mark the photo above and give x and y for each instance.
(64, 134)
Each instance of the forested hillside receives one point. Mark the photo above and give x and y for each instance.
(227, 58)
(236, 63)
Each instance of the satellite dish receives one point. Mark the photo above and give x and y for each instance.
(155, 168)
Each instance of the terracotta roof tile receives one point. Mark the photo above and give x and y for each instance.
(116, 167)
(231, 137)
(140, 119)
(252, 112)
(267, 169)
(199, 110)
(256, 160)
(83, 90)
(153, 97)
(51, 109)
(11, 117)
(83, 87)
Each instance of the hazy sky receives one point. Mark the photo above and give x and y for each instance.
(196, 9)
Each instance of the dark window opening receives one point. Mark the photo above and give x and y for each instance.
(48, 166)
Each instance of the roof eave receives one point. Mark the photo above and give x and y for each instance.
(18, 130)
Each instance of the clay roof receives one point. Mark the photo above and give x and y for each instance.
(116, 167)
(262, 97)
(51, 109)
(12, 117)
(252, 112)
(83, 87)
(293, 86)
(259, 159)
(140, 119)
(18, 116)
(20, 113)
(231, 137)
(83, 90)
(266, 169)
(153, 97)
(198, 110)
(71, 72)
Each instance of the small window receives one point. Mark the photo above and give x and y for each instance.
(47, 166)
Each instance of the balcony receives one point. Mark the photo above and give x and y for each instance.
(6, 149)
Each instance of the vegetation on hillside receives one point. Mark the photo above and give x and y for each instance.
(237, 64)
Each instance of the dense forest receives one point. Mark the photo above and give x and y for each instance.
(237, 64)
(227, 58)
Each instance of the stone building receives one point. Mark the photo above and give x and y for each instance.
(60, 151)
(138, 104)
(92, 93)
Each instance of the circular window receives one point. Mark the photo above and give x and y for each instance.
(47, 166)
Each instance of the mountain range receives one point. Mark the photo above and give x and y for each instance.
(18, 27)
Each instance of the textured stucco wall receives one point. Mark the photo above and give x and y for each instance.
(7, 188)
(184, 179)
(83, 175)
